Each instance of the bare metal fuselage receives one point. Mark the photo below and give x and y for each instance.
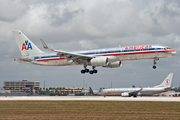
(114, 54)
(143, 92)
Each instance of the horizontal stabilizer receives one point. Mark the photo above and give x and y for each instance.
(20, 58)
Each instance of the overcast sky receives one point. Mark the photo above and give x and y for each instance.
(87, 24)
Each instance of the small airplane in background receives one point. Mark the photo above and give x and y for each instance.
(108, 58)
(128, 92)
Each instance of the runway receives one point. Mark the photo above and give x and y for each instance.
(91, 98)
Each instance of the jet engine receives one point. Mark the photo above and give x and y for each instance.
(99, 61)
(125, 94)
(139, 94)
(114, 64)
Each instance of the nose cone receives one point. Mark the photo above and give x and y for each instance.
(174, 53)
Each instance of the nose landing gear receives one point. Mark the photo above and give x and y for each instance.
(154, 65)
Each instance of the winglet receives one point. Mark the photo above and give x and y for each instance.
(45, 46)
(141, 88)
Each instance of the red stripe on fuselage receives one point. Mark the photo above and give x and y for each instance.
(51, 59)
(133, 53)
(132, 91)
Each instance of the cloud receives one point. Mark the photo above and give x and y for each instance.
(11, 10)
(87, 44)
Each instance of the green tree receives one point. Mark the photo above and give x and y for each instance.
(60, 89)
(40, 89)
(56, 90)
(72, 91)
(176, 90)
(50, 88)
(31, 90)
(68, 90)
(47, 90)
(63, 89)
(78, 90)
(4, 87)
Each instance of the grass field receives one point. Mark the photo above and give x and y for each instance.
(89, 110)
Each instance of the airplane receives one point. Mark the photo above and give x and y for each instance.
(128, 92)
(108, 57)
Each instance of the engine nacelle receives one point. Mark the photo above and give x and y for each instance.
(125, 94)
(114, 64)
(99, 61)
(113, 59)
(139, 94)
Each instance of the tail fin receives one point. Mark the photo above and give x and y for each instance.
(26, 46)
(91, 91)
(167, 82)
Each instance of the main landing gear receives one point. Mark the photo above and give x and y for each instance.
(154, 65)
(89, 71)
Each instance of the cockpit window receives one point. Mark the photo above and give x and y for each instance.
(166, 48)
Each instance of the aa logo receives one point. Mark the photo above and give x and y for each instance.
(26, 45)
(167, 82)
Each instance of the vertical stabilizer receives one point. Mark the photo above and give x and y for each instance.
(26, 46)
(167, 82)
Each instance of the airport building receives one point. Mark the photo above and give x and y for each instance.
(23, 86)
(68, 90)
(170, 94)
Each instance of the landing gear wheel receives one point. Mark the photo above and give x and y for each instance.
(86, 70)
(95, 71)
(91, 72)
(154, 67)
(82, 71)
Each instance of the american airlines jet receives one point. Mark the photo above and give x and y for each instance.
(128, 92)
(108, 57)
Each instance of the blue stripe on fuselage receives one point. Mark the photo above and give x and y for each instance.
(101, 52)
(119, 51)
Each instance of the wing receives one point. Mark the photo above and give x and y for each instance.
(20, 58)
(67, 55)
(135, 92)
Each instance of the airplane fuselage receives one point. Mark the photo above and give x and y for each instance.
(143, 92)
(109, 57)
(113, 54)
(128, 92)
